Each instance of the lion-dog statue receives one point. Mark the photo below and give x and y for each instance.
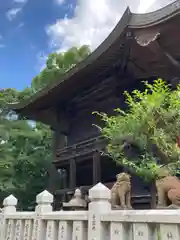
(121, 192)
(168, 189)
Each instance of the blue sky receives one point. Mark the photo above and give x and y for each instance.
(24, 39)
(31, 29)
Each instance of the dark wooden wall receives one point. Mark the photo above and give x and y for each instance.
(82, 128)
(76, 119)
(102, 98)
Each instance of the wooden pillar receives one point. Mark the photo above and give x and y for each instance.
(96, 167)
(53, 178)
(72, 173)
(64, 179)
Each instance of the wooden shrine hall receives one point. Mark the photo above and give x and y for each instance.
(141, 47)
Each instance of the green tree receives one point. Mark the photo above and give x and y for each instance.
(25, 155)
(144, 138)
(57, 64)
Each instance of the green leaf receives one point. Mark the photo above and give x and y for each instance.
(149, 127)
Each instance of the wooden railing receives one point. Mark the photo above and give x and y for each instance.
(81, 148)
(137, 199)
(98, 223)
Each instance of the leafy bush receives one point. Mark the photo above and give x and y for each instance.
(145, 137)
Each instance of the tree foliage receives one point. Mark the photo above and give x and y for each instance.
(145, 137)
(24, 152)
(57, 64)
(25, 147)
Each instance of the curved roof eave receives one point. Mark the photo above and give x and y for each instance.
(154, 18)
(80, 66)
(128, 19)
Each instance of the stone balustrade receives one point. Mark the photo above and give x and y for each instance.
(98, 223)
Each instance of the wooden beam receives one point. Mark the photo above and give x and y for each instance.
(158, 48)
(100, 86)
(96, 167)
(72, 173)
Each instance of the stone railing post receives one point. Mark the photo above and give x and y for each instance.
(9, 206)
(44, 202)
(100, 197)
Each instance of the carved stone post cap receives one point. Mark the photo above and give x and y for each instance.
(76, 201)
(77, 193)
(10, 201)
(99, 192)
(44, 198)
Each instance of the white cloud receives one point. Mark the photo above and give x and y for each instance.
(41, 58)
(12, 13)
(94, 20)
(20, 25)
(157, 4)
(2, 45)
(145, 5)
(60, 2)
(20, 1)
